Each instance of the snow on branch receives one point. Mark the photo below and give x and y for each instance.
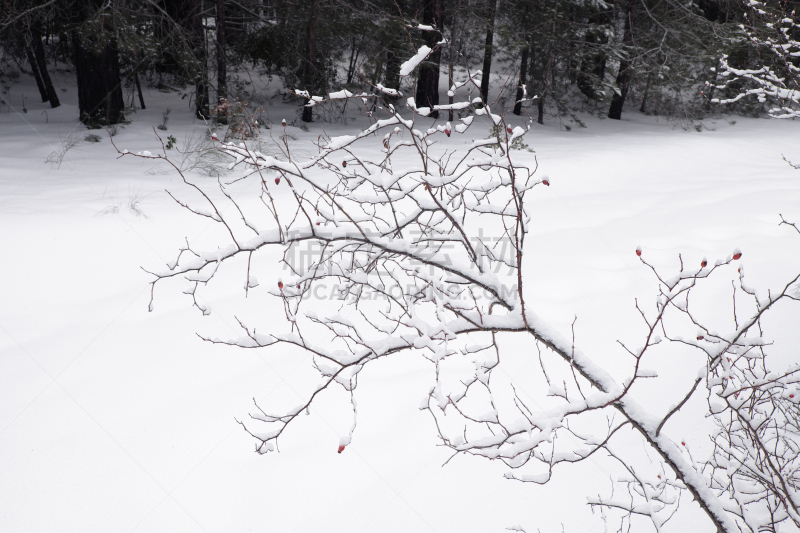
(394, 242)
(773, 32)
(408, 66)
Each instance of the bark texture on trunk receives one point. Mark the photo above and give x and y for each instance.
(97, 69)
(428, 82)
(523, 73)
(41, 60)
(454, 49)
(138, 89)
(222, 65)
(188, 15)
(547, 69)
(309, 68)
(487, 51)
(392, 70)
(36, 75)
(625, 67)
(523, 67)
(198, 36)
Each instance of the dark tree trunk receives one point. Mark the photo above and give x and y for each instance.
(454, 48)
(355, 51)
(97, 70)
(625, 70)
(392, 70)
(540, 109)
(222, 66)
(309, 67)
(523, 73)
(41, 59)
(428, 82)
(543, 95)
(198, 36)
(643, 107)
(36, 75)
(138, 88)
(487, 51)
(188, 14)
(99, 86)
(523, 67)
(547, 69)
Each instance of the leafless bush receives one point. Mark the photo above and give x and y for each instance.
(388, 207)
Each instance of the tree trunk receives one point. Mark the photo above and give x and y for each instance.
(428, 82)
(392, 78)
(643, 107)
(309, 68)
(540, 109)
(198, 36)
(523, 73)
(540, 101)
(36, 75)
(188, 15)
(97, 70)
(523, 67)
(99, 87)
(625, 70)
(353, 62)
(548, 68)
(487, 51)
(138, 88)
(41, 59)
(222, 66)
(454, 48)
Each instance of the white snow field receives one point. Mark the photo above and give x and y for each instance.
(116, 419)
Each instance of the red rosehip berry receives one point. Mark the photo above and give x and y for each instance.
(699, 337)
(344, 163)
(737, 254)
(546, 181)
(703, 263)
(509, 130)
(639, 251)
(283, 122)
(683, 443)
(277, 181)
(341, 448)
(280, 285)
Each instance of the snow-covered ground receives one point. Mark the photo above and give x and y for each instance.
(116, 419)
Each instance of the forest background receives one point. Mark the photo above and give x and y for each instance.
(654, 56)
